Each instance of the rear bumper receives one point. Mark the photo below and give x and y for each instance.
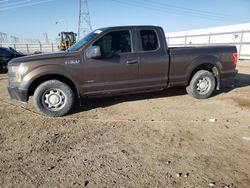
(18, 94)
(229, 74)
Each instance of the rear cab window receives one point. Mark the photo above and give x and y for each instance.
(149, 40)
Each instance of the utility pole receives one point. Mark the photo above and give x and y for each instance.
(84, 23)
(3, 38)
(14, 39)
(46, 38)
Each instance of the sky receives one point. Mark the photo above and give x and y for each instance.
(32, 18)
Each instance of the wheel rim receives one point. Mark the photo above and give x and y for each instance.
(204, 85)
(54, 99)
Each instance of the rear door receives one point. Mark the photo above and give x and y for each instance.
(153, 58)
(117, 69)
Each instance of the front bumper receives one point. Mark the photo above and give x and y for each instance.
(18, 94)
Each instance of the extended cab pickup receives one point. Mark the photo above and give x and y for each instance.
(117, 60)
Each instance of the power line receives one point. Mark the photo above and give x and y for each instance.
(2, 1)
(168, 10)
(160, 9)
(209, 13)
(14, 3)
(25, 5)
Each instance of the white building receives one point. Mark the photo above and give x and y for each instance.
(238, 35)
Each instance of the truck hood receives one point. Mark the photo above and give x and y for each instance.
(38, 57)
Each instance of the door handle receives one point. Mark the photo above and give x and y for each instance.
(132, 61)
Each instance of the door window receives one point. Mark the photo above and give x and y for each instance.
(149, 40)
(114, 43)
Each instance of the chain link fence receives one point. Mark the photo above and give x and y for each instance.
(241, 39)
(32, 47)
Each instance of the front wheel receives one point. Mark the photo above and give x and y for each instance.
(53, 98)
(202, 85)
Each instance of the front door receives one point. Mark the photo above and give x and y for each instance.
(116, 70)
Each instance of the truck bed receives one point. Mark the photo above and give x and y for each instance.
(184, 59)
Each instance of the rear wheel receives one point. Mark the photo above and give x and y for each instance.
(53, 98)
(202, 85)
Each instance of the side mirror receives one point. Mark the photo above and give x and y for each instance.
(93, 52)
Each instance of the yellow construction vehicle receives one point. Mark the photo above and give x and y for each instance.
(67, 39)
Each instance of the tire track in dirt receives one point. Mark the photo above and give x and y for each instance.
(152, 121)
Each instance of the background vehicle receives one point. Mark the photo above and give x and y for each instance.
(118, 60)
(67, 39)
(6, 54)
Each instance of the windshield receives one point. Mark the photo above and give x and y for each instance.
(84, 40)
(68, 36)
(13, 50)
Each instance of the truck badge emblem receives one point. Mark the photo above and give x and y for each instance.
(72, 62)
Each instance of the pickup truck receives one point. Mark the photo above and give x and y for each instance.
(117, 60)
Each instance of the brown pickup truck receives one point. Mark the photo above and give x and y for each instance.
(117, 60)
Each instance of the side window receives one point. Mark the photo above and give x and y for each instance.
(149, 40)
(114, 43)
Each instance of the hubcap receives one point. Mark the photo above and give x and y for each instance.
(54, 99)
(204, 85)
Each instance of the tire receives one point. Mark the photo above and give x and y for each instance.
(53, 98)
(202, 85)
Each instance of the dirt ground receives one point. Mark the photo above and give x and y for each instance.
(162, 139)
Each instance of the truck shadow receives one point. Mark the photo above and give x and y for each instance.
(241, 80)
(92, 103)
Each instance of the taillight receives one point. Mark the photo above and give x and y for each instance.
(235, 57)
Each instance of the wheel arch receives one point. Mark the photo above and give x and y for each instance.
(205, 66)
(209, 63)
(34, 84)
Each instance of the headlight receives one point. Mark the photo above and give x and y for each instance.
(21, 70)
(13, 69)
